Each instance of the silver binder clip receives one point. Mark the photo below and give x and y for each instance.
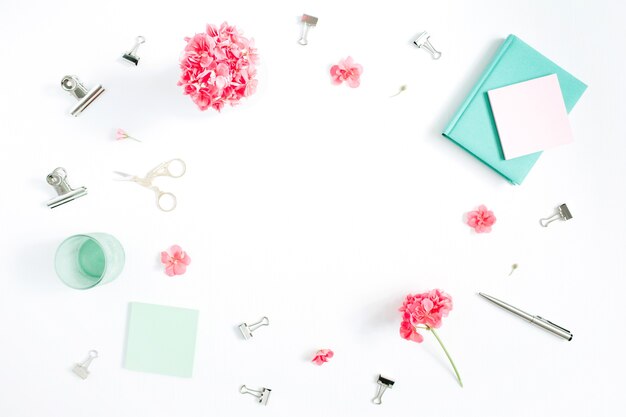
(80, 369)
(131, 56)
(263, 395)
(72, 84)
(422, 41)
(307, 22)
(383, 384)
(58, 180)
(562, 213)
(246, 329)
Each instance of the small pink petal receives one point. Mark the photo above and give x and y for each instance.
(416, 337)
(169, 270)
(165, 257)
(353, 82)
(185, 259)
(427, 303)
(220, 82)
(318, 360)
(179, 268)
(406, 329)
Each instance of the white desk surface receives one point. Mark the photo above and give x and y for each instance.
(316, 205)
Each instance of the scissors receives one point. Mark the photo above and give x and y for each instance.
(162, 170)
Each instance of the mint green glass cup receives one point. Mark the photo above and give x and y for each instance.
(84, 261)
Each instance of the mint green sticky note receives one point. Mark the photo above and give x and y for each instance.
(161, 339)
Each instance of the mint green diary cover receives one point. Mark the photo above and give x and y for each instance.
(473, 126)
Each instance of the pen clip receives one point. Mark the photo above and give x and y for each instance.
(555, 325)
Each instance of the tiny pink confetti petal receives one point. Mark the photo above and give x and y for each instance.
(322, 356)
(175, 261)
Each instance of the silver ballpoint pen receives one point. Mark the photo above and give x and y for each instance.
(536, 320)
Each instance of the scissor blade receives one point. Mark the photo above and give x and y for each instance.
(127, 177)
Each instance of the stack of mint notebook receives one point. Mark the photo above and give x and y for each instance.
(473, 126)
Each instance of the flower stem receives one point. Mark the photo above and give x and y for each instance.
(402, 88)
(456, 371)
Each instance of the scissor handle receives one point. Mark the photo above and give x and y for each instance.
(168, 172)
(160, 195)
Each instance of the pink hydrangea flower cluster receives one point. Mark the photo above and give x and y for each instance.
(481, 220)
(218, 67)
(427, 309)
(347, 70)
(175, 260)
(322, 356)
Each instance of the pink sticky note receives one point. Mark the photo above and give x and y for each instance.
(530, 116)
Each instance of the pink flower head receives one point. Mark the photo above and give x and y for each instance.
(347, 70)
(426, 309)
(322, 356)
(175, 261)
(218, 67)
(481, 220)
(121, 134)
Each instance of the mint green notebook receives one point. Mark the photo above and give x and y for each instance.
(473, 127)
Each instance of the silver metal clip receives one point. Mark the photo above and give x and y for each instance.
(263, 395)
(423, 41)
(554, 324)
(562, 213)
(307, 22)
(58, 180)
(383, 384)
(72, 84)
(80, 369)
(246, 329)
(131, 56)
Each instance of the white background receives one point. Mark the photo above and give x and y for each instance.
(319, 206)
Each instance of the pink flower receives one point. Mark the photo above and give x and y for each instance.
(175, 261)
(121, 134)
(427, 309)
(481, 220)
(218, 67)
(346, 70)
(322, 356)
